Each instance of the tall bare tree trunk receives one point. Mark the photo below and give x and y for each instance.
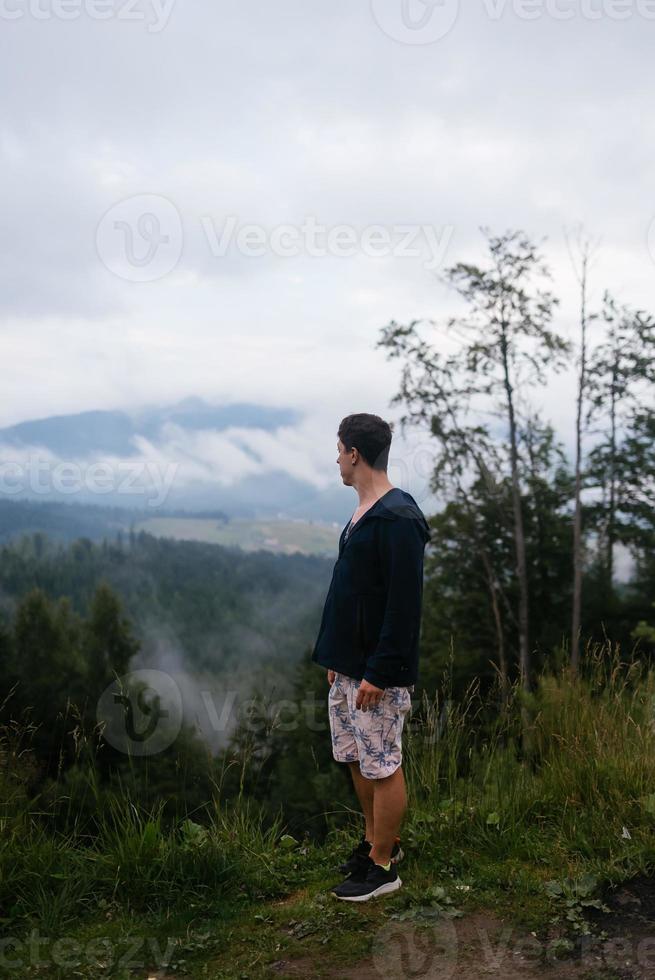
(611, 517)
(492, 584)
(498, 623)
(519, 533)
(577, 517)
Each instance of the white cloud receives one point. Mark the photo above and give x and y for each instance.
(273, 113)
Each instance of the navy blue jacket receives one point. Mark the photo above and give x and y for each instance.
(372, 614)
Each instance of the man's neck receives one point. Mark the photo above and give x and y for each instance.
(369, 495)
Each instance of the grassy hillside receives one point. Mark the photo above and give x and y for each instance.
(525, 861)
(68, 522)
(279, 536)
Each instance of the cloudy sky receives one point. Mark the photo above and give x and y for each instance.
(229, 199)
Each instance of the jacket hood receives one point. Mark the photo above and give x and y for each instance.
(397, 504)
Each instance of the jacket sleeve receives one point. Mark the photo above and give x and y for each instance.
(401, 554)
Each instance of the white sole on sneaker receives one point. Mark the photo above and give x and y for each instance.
(389, 886)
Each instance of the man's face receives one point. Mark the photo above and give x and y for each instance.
(344, 460)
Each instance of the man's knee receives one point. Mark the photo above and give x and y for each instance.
(379, 775)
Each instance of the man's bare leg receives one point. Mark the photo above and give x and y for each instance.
(389, 805)
(365, 789)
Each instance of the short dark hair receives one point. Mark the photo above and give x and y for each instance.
(369, 434)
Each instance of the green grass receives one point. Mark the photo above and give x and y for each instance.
(495, 819)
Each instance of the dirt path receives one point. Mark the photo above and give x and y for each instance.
(482, 945)
(475, 946)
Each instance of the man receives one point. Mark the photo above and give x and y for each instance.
(368, 641)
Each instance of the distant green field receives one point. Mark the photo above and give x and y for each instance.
(282, 537)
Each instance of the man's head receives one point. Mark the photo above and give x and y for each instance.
(363, 440)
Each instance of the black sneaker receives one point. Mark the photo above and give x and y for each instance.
(357, 855)
(371, 881)
(363, 849)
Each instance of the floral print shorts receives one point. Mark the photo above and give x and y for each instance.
(374, 736)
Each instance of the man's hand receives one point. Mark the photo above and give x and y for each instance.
(368, 695)
(330, 677)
